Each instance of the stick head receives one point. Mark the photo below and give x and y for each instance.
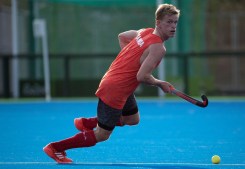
(205, 101)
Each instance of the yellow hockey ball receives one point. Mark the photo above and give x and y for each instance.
(215, 159)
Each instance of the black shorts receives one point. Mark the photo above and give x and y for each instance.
(108, 116)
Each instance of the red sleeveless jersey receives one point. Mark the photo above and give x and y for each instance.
(120, 81)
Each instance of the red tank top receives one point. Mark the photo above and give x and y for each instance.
(120, 81)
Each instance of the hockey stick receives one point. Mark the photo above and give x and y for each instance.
(202, 103)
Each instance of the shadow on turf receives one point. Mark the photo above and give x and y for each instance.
(157, 166)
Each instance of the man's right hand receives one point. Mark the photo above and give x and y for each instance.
(166, 86)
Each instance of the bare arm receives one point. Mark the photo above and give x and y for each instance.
(126, 37)
(144, 75)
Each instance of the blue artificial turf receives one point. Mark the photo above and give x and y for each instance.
(171, 135)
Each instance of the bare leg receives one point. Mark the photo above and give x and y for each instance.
(130, 120)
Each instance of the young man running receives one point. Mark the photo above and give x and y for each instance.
(141, 52)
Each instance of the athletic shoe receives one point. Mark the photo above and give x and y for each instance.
(59, 157)
(78, 122)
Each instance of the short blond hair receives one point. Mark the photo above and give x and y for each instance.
(166, 9)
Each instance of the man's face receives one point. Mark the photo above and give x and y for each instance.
(168, 25)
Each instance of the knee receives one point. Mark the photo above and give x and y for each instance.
(100, 137)
(132, 122)
(103, 138)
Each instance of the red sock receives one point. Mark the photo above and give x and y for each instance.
(90, 123)
(83, 139)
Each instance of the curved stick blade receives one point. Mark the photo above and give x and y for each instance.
(204, 102)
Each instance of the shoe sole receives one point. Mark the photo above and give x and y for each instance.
(50, 152)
